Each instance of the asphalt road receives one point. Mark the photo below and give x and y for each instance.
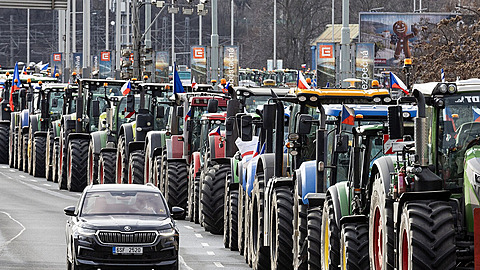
(32, 229)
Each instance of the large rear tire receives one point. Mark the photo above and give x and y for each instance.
(92, 169)
(241, 220)
(12, 150)
(38, 156)
(314, 225)
(122, 169)
(427, 236)
(212, 199)
(177, 184)
(136, 167)
(4, 144)
(226, 214)
(106, 168)
(330, 237)
(281, 229)
(354, 247)
(156, 171)
(49, 171)
(300, 231)
(259, 254)
(62, 164)
(233, 219)
(196, 200)
(55, 158)
(77, 164)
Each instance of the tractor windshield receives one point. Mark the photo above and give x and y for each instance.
(200, 143)
(458, 130)
(253, 103)
(55, 100)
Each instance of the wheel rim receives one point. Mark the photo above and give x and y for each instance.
(344, 255)
(90, 165)
(404, 250)
(101, 174)
(274, 234)
(70, 167)
(377, 240)
(155, 179)
(326, 243)
(147, 171)
(130, 174)
(119, 168)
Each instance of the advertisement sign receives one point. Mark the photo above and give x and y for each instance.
(269, 64)
(95, 65)
(105, 68)
(198, 62)
(77, 63)
(162, 61)
(57, 63)
(395, 34)
(325, 64)
(230, 64)
(364, 63)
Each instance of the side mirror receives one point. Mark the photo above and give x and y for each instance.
(160, 112)
(247, 128)
(130, 103)
(54, 103)
(304, 124)
(233, 107)
(395, 122)
(180, 111)
(341, 143)
(178, 212)
(69, 211)
(29, 97)
(212, 106)
(269, 111)
(95, 108)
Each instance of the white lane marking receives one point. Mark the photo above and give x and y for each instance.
(12, 170)
(15, 237)
(189, 227)
(205, 244)
(218, 264)
(182, 262)
(211, 253)
(23, 176)
(47, 185)
(198, 235)
(33, 180)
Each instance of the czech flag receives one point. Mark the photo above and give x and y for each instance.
(396, 83)
(126, 88)
(476, 114)
(348, 116)
(16, 84)
(449, 117)
(301, 82)
(194, 84)
(215, 131)
(177, 83)
(189, 114)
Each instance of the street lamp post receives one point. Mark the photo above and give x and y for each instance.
(214, 41)
(274, 34)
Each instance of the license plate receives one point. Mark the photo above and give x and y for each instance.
(128, 250)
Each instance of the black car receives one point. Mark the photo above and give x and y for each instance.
(122, 227)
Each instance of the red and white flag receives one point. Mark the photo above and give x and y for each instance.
(194, 84)
(301, 82)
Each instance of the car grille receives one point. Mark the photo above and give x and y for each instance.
(109, 237)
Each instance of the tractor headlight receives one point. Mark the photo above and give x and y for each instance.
(452, 88)
(443, 88)
(302, 98)
(406, 114)
(387, 99)
(377, 99)
(313, 98)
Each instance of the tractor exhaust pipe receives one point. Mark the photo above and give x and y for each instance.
(421, 130)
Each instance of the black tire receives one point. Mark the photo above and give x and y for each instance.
(259, 254)
(55, 158)
(233, 220)
(121, 163)
(177, 183)
(62, 165)
(314, 224)
(330, 253)
(427, 236)
(92, 168)
(25, 156)
(77, 164)
(381, 226)
(49, 148)
(4, 144)
(354, 245)
(38, 156)
(12, 150)
(136, 167)
(196, 200)
(156, 171)
(29, 156)
(241, 221)
(106, 168)
(212, 199)
(162, 185)
(300, 232)
(21, 152)
(226, 215)
(281, 229)
(190, 194)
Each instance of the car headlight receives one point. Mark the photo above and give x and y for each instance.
(167, 232)
(85, 231)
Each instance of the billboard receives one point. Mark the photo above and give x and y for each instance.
(162, 61)
(57, 66)
(198, 61)
(230, 64)
(364, 63)
(325, 64)
(395, 34)
(105, 68)
(77, 63)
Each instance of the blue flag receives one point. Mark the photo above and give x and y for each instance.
(177, 83)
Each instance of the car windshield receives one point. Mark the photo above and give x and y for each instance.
(123, 203)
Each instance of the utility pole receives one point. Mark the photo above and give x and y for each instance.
(214, 41)
(61, 32)
(11, 41)
(231, 23)
(200, 29)
(173, 38)
(28, 37)
(107, 23)
(68, 32)
(136, 40)
(274, 34)
(86, 36)
(74, 26)
(345, 44)
(118, 33)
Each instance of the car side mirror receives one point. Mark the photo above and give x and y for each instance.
(160, 112)
(177, 212)
(341, 143)
(95, 108)
(304, 124)
(212, 106)
(130, 103)
(395, 122)
(69, 211)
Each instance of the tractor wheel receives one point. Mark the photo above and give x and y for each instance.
(314, 224)
(136, 167)
(176, 181)
(55, 158)
(241, 220)
(29, 156)
(233, 220)
(25, 153)
(106, 168)
(4, 153)
(12, 150)
(281, 229)
(77, 164)
(354, 247)
(213, 189)
(330, 248)
(381, 235)
(49, 157)
(226, 214)
(20, 152)
(92, 169)
(62, 165)
(427, 236)
(162, 180)
(259, 255)
(122, 168)
(196, 200)
(156, 166)
(247, 254)
(190, 194)
(300, 232)
(38, 156)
